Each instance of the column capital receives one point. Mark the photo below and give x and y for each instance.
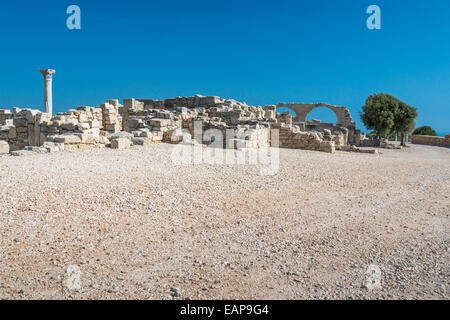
(47, 73)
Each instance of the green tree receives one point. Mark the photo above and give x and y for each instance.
(378, 113)
(404, 120)
(425, 131)
(388, 115)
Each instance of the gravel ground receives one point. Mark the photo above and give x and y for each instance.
(130, 224)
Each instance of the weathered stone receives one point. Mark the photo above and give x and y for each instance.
(20, 153)
(12, 133)
(431, 140)
(120, 143)
(122, 135)
(140, 141)
(52, 147)
(67, 139)
(70, 126)
(88, 138)
(160, 122)
(94, 124)
(4, 147)
(83, 126)
(36, 149)
(155, 121)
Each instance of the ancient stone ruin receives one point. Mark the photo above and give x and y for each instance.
(431, 140)
(143, 121)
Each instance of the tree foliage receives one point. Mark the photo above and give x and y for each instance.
(425, 131)
(388, 115)
(377, 113)
(404, 120)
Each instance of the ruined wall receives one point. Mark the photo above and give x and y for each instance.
(111, 117)
(293, 137)
(77, 129)
(431, 140)
(344, 119)
(144, 121)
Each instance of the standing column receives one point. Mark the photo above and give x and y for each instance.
(48, 77)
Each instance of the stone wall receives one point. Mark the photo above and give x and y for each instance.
(77, 129)
(293, 137)
(431, 140)
(144, 121)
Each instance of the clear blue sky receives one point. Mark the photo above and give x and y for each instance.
(261, 52)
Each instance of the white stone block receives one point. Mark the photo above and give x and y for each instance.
(4, 147)
(120, 143)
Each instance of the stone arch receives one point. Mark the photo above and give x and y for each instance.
(325, 115)
(284, 109)
(303, 109)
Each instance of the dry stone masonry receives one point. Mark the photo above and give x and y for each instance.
(431, 140)
(146, 121)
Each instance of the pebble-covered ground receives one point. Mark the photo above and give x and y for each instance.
(130, 224)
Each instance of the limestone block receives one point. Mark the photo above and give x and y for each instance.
(113, 127)
(70, 126)
(370, 151)
(88, 138)
(140, 141)
(135, 123)
(145, 133)
(120, 143)
(122, 135)
(30, 115)
(160, 123)
(83, 117)
(56, 123)
(4, 135)
(83, 126)
(157, 136)
(36, 149)
(67, 139)
(53, 147)
(114, 102)
(327, 146)
(20, 122)
(103, 140)
(22, 130)
(94, 131)
(72, 147)
(94, 124)
(12, 133)
(4, 147)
